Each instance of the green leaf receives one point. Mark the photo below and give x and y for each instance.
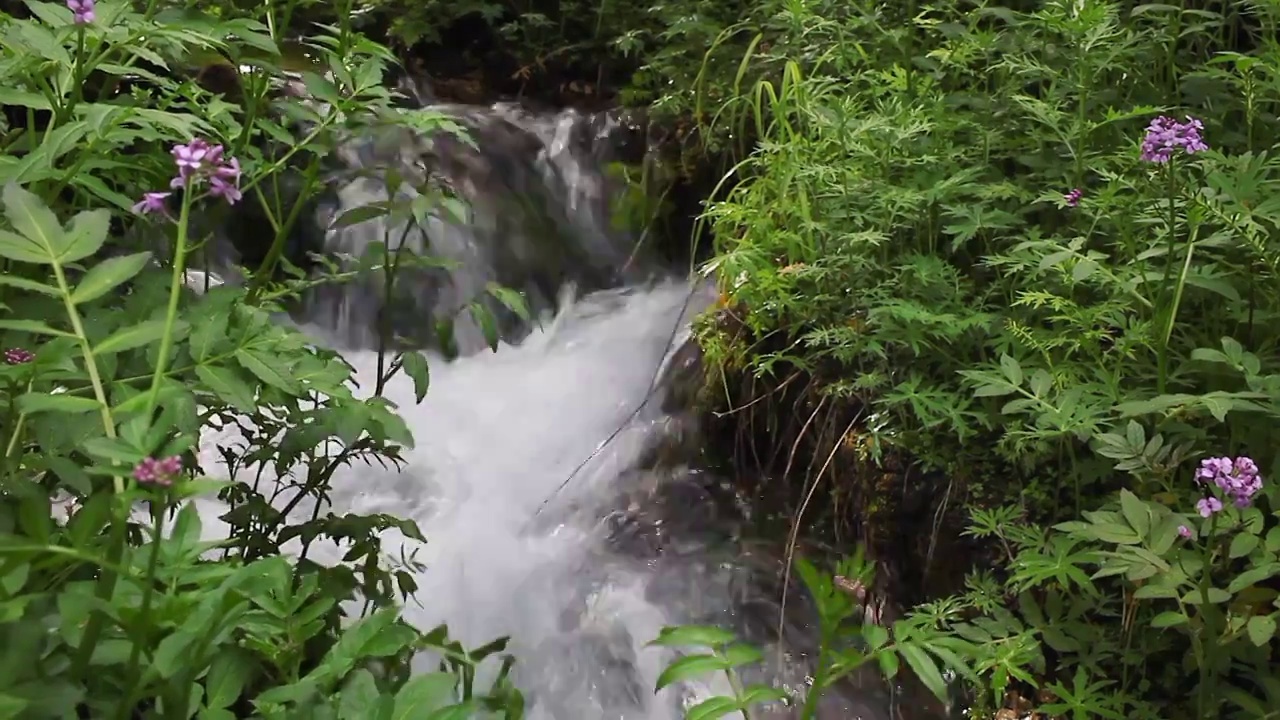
(20, 249)
(35, 221)
(265, 371)
(925, 669)
(422, 694)
(134, 336)
(1168, 619)
(689, 667)
(693, 635)
(227, 386)
(511, 300)
(32, 327)
(1261, 629)
(1242, 544)
(1136, 513)
(29, 285)
(33, 403)
(227, 677)
(416, 367)
(1012, 370)
(359, 696)
(107, 275)
(713, 708)
(88, 232)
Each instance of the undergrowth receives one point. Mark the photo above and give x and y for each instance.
(1031, 247)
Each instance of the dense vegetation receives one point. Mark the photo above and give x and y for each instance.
(1028, 247)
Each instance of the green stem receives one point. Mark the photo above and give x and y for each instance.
(1208, 643)
(175, 293)
(1162, 356)
(125, 708)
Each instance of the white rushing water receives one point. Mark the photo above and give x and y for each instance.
(518, 536)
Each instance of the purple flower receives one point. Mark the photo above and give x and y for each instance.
(151, 202)
(1208, 506)
(1072, 199)
(1238, 479)
(18, 356)
(1165, 135)
(81, 11)
(198, 161)
(158, 472)
(1184, 531)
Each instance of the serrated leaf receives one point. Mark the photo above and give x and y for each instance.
(925, 669)
(35, 221)
(33, 403)
(226, 385)
(32, 327)
(29, 285)
(86, 236)
(19, 249)
(1136, 513)
(263, 369)
(108, 275)
(133, 336)
(1012, 370)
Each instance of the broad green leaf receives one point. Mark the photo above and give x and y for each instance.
(1136, 513)
(359, 696)
(1243, 544)
(33, 403)
(693, 635)
(228, 674)
(266, 371)
(360, 214)
(1012, 370)
(35, 221)
(25, 284)
(510, 299)
(713, 708)
(1261, 629)
(1168, 619)
(107, 275)
(33, 327)
(133, 336)
(227, 386)
(423, 694)
(416, 367)
(88, 232)
(689, 667)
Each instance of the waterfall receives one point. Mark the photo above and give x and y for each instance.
(533, 480)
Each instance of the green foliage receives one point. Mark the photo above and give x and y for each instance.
(849, 642)
(114, 602)
(905, 231)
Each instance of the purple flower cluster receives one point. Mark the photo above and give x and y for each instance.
(82, 10)
(18, 356)
(1238, 480)
(1072, 199)
(158, 472)
(1165, 135)
(198, 161)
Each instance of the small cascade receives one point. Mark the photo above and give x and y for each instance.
(553, 514)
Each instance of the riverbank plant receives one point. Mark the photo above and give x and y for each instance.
(118, 369)
(1032, 246)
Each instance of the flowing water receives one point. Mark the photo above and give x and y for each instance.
(580, 564)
